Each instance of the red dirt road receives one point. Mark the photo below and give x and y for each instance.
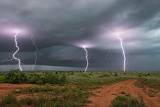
(102, 97)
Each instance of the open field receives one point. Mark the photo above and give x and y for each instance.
(78, 89)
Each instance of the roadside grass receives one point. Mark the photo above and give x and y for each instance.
(126, 101)
(139, 84)
(152, 82)
(151, 93)
(96, 80)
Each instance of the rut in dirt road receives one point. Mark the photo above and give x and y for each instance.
(102, 97)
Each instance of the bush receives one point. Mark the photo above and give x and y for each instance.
(116, 74)
(27, 101)
(32, 89)
(9, 76)
(104, 75)
(122, 92)
(47, 77)
(21, 78)
(52, 78)
(8, 99)
(15, 77)
(63, 79)
(83, 75)
(126, 101)
(33, 78)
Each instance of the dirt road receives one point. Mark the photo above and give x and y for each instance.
(102, 97)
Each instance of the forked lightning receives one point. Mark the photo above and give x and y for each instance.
(35, 53)
(123, 51)
(19, 61)
(86, 58)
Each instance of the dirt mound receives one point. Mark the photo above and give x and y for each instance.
(102, 97)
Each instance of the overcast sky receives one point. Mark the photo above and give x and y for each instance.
(61, 27)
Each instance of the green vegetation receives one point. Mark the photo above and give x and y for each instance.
(138, 84)
(8, 99)
(127, 101)
(122, 92)
(144, 82)
(151, 93)
(65, 96)
(71, 89)
(153, 82)
(17, 77)
(61, 89)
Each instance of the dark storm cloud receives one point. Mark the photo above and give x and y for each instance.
(140, 11)
(58, 24)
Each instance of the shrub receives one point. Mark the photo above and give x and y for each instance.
(21, 78)
(62, 79)
(104, 75)
(15, 77)
(115, 74)
(8, 99)
(47, 88)
(33, 78)
(122, 92)
(32, 89)
(49, 78)
(27, 101)
(126, 101)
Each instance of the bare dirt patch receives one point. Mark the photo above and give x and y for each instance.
(6, 88)
(103, 96)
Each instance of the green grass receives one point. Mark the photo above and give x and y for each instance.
(58, 97)
(9, 100)
(153, 82)
(139, 84)
(86, 81)
(126, 101)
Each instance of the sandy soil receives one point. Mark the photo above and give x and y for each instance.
(103, 96)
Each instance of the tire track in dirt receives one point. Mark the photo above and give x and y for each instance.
(149, 101)
(103, 96)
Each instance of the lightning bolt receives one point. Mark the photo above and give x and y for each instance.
(86, 57)
(7, 60)
(123, 51)
(109, 48)
(19, 62)
(35, 53)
